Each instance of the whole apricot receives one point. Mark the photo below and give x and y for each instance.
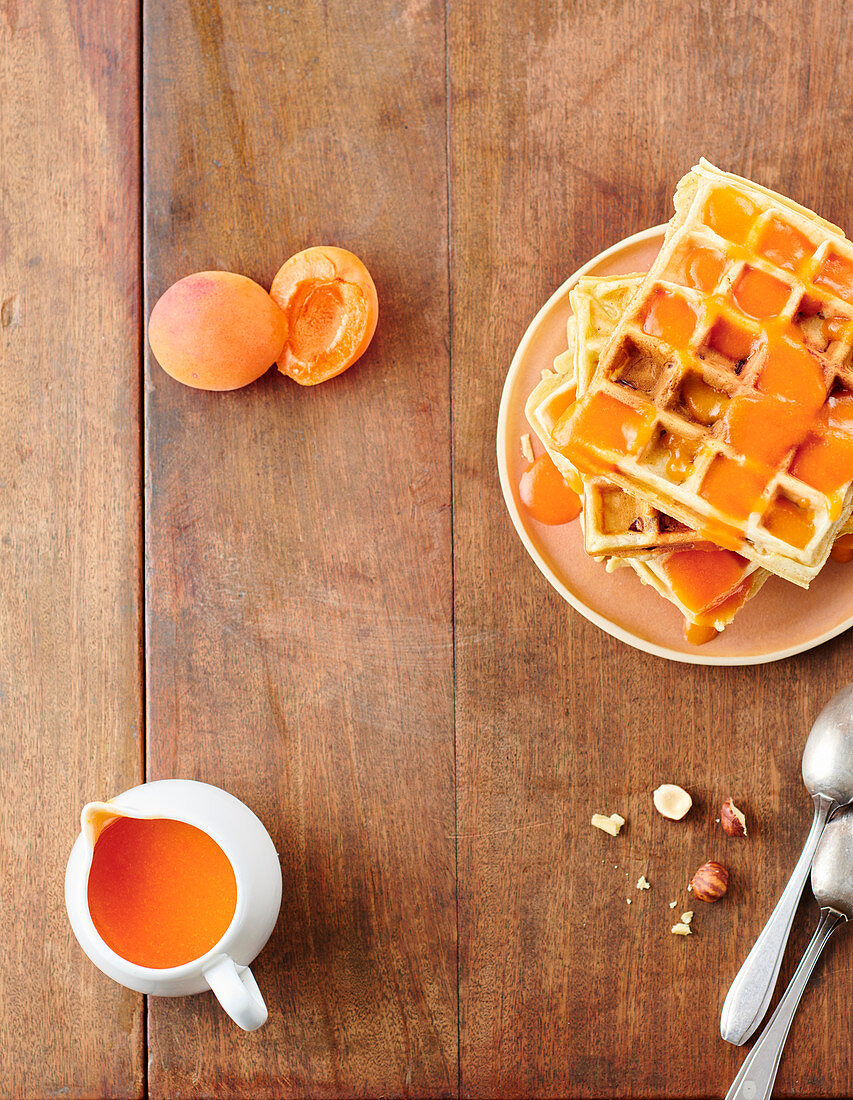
(216, 331)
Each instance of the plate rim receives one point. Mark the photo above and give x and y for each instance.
(583, 609)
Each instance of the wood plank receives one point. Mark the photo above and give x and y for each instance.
(299, 580)
(70, 522)
(571, 125)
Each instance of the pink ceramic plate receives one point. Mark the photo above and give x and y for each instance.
(781, 620)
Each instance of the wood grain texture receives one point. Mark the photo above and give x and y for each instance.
(570, 126)
(299, 560)
(70, 522)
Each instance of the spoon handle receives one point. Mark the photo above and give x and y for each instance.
(758, 1072)
(752, 990)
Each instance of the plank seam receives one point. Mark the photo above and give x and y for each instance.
(143, 456)
(448, 199)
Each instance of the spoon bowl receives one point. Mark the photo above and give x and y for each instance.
(828, 755)
(832, 870)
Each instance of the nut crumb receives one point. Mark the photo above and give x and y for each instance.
(527, 447)
(643, 883)
(620, 821)
(689, 887)
(606, 824)
(687, 917)
(628, 900)
(673, 904)
(681, 930)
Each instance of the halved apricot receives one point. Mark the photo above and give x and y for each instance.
(216, 331)
(331, 306)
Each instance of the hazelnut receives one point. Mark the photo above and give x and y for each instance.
(710, 882)
(732, 819)
(672, 801)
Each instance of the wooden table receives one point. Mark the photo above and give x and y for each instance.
(315, 598)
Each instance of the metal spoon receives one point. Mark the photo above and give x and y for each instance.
(832, 883)
(828, 776)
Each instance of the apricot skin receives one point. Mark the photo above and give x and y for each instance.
(216, 331)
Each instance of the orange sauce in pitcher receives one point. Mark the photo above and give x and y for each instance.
(161, 892)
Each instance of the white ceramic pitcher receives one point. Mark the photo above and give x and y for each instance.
(246, 843)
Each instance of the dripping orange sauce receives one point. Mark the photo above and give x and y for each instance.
(790, 371)
(711, 585)
(735, 488)
(670, 317)
(843, 549)
(825, 461)
(730, 214)
(839, 412)
(161, 892)
(793, 523)
(836, 273)
(702, 579)
(764, 429)
(699, 633)
(703, 630)
(732, 341)
(703, 268)
(546, 494)
(784, 245)
(702, 401)
(600, 422)
(679, 456)
(760, 295)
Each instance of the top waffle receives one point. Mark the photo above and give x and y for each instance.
(615, 522)
(724, 397)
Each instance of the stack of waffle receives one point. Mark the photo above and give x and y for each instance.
(706, 409)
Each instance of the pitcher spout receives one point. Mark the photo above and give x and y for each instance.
(96, 816)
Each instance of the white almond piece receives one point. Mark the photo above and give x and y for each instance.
(687, 917)
(673, 904)
(672, 801)
(643, 883)
(606, 824)
(527, 447)
(620, 821)
(681, 930)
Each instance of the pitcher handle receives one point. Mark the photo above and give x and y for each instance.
(237, 991)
